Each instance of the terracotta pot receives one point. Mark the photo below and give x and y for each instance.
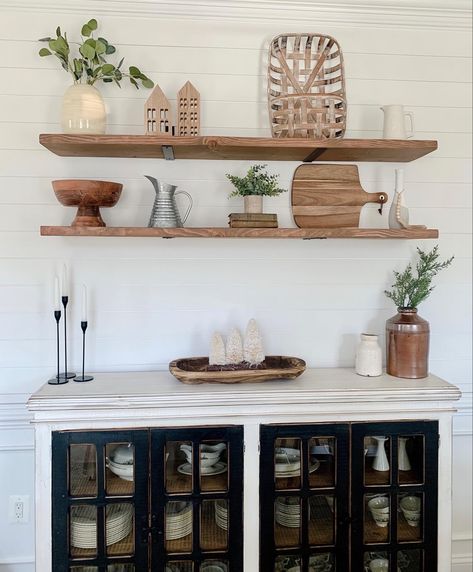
(253, 204)
(407, 345)
(83, 110)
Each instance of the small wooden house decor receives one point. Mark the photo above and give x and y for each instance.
(188, 110)
(158, 114)
(306, 87)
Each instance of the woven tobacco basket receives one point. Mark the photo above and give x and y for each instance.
(306, 87)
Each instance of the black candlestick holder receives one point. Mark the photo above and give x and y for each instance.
(58, 380)
(66, 374)
(83, 377)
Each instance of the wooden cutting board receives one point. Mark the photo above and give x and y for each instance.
(329, 196)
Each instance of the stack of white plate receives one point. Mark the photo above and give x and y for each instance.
(221, 515)
(216, 469)
(288, 512)
(84, 525)
(178, 520)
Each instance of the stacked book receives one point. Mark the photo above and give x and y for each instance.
(253, 220)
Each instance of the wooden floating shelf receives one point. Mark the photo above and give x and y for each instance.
(239, 148)
(215, 232)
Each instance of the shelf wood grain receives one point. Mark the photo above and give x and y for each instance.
(225, 232)
(237, 148)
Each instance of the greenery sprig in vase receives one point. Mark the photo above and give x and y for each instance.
(87, 62)
(255, 185)
(407, 334)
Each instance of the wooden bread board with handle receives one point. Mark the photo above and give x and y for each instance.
(329, 196)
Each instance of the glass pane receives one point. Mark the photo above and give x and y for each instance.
(119, 476)
(213, 466)
(377, 562)
(322, 462)
(178, 459)
(179, 566)
(287, 463)
(287, 521)
(377, 460)
(214, 566)
(410, 560)
(411, 452)
(119, 529)
(409, 522)
(323, 562)
(377, 515)
(286, 563)
(178, 518)
(321, 520)
(121, 568)
(83, 531)
(214, 525)
(82, 471)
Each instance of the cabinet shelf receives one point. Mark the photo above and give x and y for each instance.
(225, 232)
(236, 148)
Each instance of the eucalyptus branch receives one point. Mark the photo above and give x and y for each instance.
(409, 290)
(256, 182)
(91, 62)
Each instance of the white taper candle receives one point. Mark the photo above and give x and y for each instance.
(57, 298)
(64, 282)
(84, 303)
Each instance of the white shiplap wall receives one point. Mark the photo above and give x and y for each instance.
(155, 300)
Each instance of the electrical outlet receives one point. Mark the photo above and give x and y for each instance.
(19, 509)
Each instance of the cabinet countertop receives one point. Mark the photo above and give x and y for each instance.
(159, 389)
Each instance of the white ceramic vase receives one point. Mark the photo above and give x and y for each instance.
(380, 462)
(253, 204)
(403, 459)
(83, 110)
(369, 357)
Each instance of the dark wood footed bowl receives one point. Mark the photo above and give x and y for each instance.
(88, 196)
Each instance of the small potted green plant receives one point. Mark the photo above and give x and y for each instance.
(255, 185)
(83, 109)
(407, 334)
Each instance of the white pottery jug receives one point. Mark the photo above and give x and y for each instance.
(403, 460)
(395, 122)
(369, 359)
(83, 110)
(380, 462)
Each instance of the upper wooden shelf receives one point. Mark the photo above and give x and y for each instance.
(225, 232)
(239, 148)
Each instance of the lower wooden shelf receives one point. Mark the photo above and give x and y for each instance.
(225, 232)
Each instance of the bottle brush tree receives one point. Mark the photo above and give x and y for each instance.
(217, 350)
(234, 347)
(253, 345)
(411, 287)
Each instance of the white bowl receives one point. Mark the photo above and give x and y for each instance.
(123, 454)
(410, 503)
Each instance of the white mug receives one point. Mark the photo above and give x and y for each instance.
(395, 122)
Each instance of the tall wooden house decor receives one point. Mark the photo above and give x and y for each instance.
(158, 114)
(188, 110)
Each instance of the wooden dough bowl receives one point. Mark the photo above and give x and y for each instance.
(193, 371)
(88, 196)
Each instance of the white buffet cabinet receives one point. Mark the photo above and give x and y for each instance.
(291, 486)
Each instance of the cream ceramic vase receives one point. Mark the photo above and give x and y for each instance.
(369, 359)
(253, 204)
(83, 110)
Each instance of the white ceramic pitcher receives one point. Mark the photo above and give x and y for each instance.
(395, 122)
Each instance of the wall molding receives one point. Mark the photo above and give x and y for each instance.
(454, 14)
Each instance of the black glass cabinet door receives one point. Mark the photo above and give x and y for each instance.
(304, 498)
(394, 496)
(100, 501)
(197, 499)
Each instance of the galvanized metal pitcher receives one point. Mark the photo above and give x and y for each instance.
(165, 213)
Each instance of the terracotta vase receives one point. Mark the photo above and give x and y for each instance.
(407, 345)
(83, 110)
(253, 204)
